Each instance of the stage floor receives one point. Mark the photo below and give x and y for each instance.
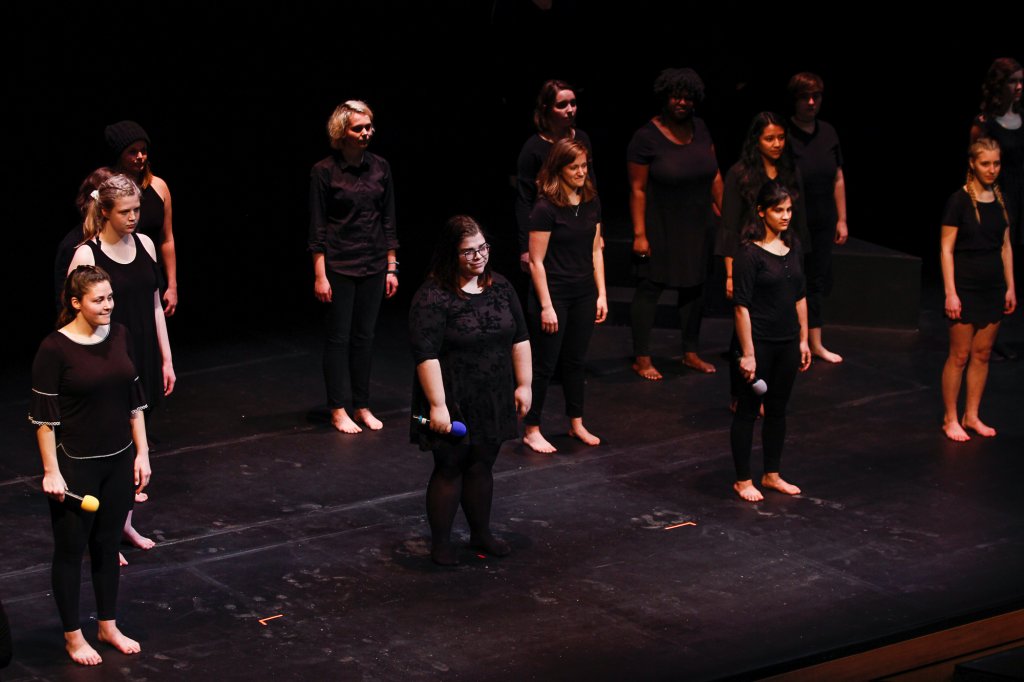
(633, 560)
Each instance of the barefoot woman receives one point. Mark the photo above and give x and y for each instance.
(977, 273)
(84, 381)
(770, 300)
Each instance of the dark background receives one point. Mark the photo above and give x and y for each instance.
(235, 100)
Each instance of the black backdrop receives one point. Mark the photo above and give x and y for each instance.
(235, 99)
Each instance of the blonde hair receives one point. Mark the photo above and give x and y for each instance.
(337, 124)
(114, 188)
(983, 144)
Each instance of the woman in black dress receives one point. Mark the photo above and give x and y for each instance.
(472, 355)
(84, 382)
(815, 147)
(567, 296)
(770, 303)
(353, 240)
(555, 119)
(977, 274)
(111, 242)
(130, 145)
(674, 182)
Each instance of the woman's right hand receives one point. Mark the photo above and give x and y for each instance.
(748, 367)
(953, 308)
(728, 288)
(641, 247)
(54, 485)
(322, 290)
(548, 320)
(440, 420)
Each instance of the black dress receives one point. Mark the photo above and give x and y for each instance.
(678, 215)
(738, 211)
(1011, 176)
(977, 258)
(472, 338)
(134, 285)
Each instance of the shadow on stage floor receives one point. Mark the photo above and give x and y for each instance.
(261, 510)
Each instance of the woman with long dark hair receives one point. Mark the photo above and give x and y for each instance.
(354, 242)
(674, 183)
(472, 355)
(554, 117)
(84, 381)
(977, 273)
(567, 296)
(770, 304)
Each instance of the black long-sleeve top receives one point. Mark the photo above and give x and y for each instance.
(352, 214)
(738, 211)
(769, 286)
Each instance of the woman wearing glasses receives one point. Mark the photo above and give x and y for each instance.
(567, 296)
(353, 240)
(555, 119)
(472, 354)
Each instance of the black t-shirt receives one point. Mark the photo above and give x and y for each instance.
(972, 235)
(570, 255)
(769, 286)
(819, 158)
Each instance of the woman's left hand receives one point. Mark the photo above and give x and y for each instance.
(170, 301)
(524, 399)
(602, 309)
(1011, 301)
(142, 471)
(842, 232)
(169, 378)
(390, 285)
(805, 356)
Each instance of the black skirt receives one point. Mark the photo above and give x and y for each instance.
(980, 284)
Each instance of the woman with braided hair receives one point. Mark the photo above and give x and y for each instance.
(977, 274)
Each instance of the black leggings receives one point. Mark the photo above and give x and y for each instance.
(567, 346)
(818, 266)
(6, 647)
(111, 479)
(645, 306)
(348, 353)
(777, 364)
(462, 474)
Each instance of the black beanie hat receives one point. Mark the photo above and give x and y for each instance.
(122, 134)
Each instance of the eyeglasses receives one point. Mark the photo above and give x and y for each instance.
(361, 128)
(471, 254)
(565, 104)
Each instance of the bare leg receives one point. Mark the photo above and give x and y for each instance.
(747, 491)
(135, 537)
(646, 369)
(364, 415)
(80, 651)
(121, 561)
(977, 374)
(818, 350)
(109, 633)
(961, 337)
(578, 431)
(533, 439)
(341, 421)
(774, 481)
(693, 361)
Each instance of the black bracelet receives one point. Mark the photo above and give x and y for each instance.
(393, 272)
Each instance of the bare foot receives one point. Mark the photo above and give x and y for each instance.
(579, 432)
(134, 537)
(80, 651)
(121, 561)
(141, 497)
(775, 482)
(747, 491)
(533, 439)
(954, 431)
(341, 421)
(979, 427)
(109, 633)
(693, 361)
(826, 355)
(646, 369)
(364, 415)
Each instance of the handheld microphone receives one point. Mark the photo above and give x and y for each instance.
(88, 503)
(458, 428)
(758, 386)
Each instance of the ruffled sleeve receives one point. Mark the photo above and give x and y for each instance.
(44, 406)
(138, 396)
